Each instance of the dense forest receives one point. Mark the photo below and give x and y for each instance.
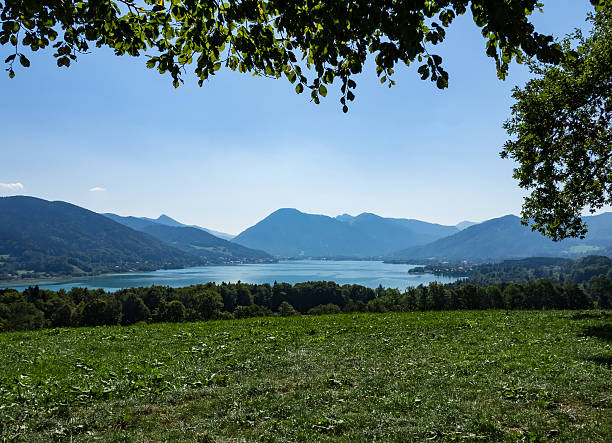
(536, 283)
(35, 308)
(558, 270)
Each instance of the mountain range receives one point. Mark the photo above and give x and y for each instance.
(291, 233)
(288, 232)
(195, 240)
(137, 222)
(505, 238)
(58, 238)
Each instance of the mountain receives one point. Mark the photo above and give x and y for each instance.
(345, 218)
(465, 224)
(58, 238)
(140, 222)
(389, 233)
(506, 238)
(205, 245)
(194, 240)
(136, 223)
(290, 233)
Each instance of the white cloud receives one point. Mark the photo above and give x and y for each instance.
(97, 189)
(11, 186)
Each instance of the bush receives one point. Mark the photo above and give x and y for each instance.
(133, 310)
(100, 312)
(174, 312)
(24, 317)
(286, 310)
(61, 317)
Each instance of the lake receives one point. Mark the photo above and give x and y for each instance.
(366, 273)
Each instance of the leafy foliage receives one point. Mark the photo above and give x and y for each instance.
(562, 133)
(328, 39)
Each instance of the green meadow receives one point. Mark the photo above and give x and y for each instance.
(436, 376)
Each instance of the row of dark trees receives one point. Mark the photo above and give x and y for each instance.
(35, 308)
(558, 270)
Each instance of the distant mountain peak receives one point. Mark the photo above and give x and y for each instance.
(465, 224)
(286, 211)
(347, 218)
(168, 221)
(140, 222)
(368, 215)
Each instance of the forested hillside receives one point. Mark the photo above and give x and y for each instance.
(195, 240)
(58, 238)
(505, 238)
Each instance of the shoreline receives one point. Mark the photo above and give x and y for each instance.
(281, 271)
(68, 278)
(39, 281)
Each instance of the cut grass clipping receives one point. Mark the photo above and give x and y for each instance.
(448, 376)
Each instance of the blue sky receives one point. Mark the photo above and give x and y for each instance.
(225, 155)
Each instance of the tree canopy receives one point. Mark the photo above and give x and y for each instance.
(562, 134)
(298, 39)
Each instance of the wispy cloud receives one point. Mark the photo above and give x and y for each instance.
(11, 186)
(97, 189)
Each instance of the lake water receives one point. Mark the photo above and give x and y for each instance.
(366, 273)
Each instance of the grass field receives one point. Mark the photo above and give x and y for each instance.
(447, 376)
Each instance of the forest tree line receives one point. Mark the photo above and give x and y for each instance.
(35, 308)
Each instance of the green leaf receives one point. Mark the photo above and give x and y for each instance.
(299, 88)
(24, 61)
(323, 90)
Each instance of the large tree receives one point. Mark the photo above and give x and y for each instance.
(561, 133)
(310, 42)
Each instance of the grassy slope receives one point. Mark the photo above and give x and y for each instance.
(396, 377)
